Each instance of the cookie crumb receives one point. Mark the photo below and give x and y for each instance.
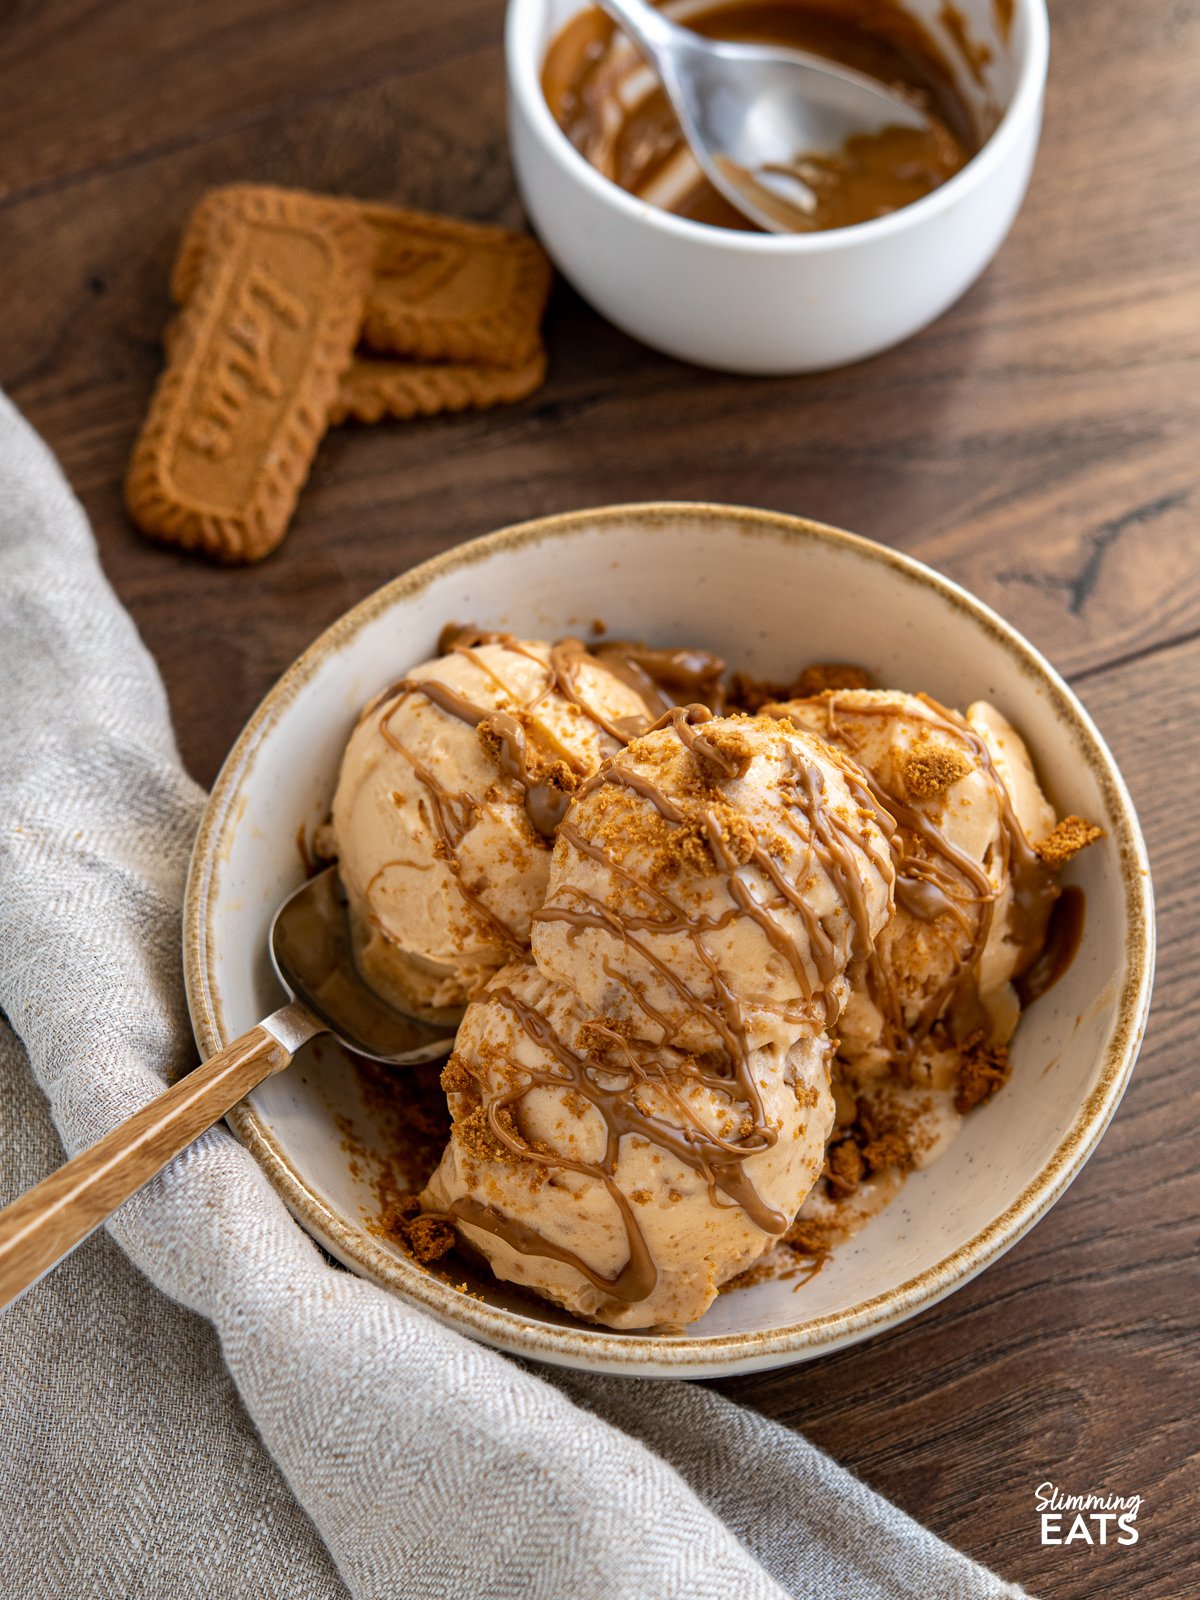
(558, 775)
(725, 750)
(825, 675)
(1070, 836)
(982, 1069)
(808, 1237)
(884, 1134)
(474, 1132)
(845, 1167)
(425, 1238)
(430, 1238)
(930, 768)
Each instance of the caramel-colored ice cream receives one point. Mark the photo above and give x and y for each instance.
(924, 1035)
(626, 1181)
(972, 898)
(666, 928)
(450, 791)
(711, 884)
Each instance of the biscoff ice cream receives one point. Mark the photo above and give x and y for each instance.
(925, 1033)
(623, 1180)
(730, 976)
(972, 898)
(710, 885)
(449, 794)
(640, 1111)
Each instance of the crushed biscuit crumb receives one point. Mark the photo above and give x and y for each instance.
(425, 1238)
(1070, 836)
(808, 1237)
(558, 775)
(845, 1167)
(823, 676)
(890, 1149)
(724, 750)
(456, 1078)
(930, 767)
(981, 1071)
(430, 1238)
(475, 1134)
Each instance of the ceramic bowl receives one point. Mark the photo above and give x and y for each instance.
(770, 593)
(747, 302)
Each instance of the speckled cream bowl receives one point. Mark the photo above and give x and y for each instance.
(770, 593)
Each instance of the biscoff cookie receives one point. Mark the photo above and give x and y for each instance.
(454, 291)
(273, 310)
(373, 388)
(443, 290)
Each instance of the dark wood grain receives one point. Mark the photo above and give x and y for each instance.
(147, 75)
(1038, 444)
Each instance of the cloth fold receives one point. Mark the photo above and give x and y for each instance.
(345, 1442)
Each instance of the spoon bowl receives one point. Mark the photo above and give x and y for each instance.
(312, 956)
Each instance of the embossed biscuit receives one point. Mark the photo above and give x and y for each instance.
(443, 290)
(254, 362)
(454, 291)
(373, 387)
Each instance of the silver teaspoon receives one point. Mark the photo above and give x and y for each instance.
(750, 111)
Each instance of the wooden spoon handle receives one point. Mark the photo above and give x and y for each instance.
(42, 1226)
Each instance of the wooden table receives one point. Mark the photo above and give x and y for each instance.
(1039, 444)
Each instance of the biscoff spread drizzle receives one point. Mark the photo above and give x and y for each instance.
(566, 656)
(934, 879)
(666, 678)
(719, 755)
(821, 828)
(546, 779)
(608, 1070)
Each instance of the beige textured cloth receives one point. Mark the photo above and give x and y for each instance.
(207, 1407)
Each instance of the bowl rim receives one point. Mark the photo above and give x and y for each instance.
(576, 1344)
(524, 78)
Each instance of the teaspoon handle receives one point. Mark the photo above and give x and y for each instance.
(645, 25)
(43, 1225)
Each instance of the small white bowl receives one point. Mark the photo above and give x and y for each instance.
(760, 303)
(770, 593)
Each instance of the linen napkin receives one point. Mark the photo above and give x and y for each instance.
(237, 1416)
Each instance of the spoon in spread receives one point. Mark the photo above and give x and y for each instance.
(310, 950)
(751, 114)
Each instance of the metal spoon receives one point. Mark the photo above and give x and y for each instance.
(310, 948)
(749, 111)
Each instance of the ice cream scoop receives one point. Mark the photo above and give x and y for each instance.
(449, 794)
(972, 898)
(626, 1181)
(710, 885)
